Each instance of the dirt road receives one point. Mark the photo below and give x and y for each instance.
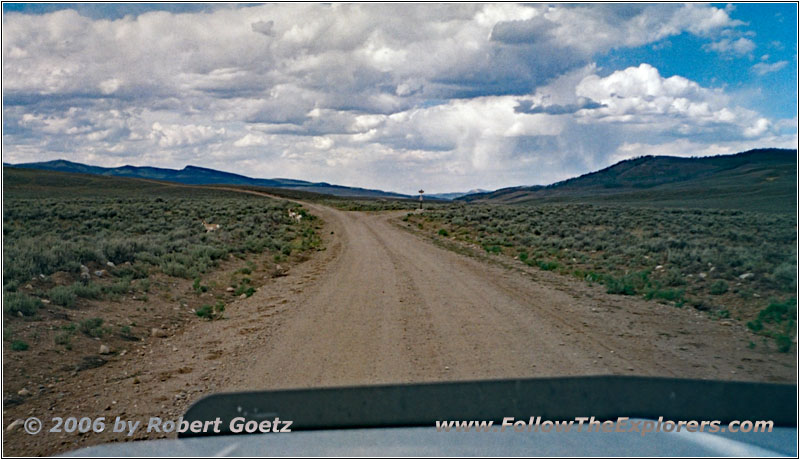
(385, 305)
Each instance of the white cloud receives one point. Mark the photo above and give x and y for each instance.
(251, 140)
(763, 68)
(180, 135)
(595, 28)
(758, 128)
(640, 96)
(110, 86)
(323, 142)
(741, 47)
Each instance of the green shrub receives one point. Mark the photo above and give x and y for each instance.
(548, 265)
(206, 311)
(19, 345)
(619, 286)
(628, 284)
(211, 312)
(674, 278)
(722, 314)
(134, 271)
(93, 327)
(11, 286)
(88, 291)
(63, 295)
(199, 288)
(64, 338)
(783, 342)
(665, 294)
(144, 285)
(245, 288)
(492, 249)
(777, 321)
(443, 232)
(17, 302)
(778, 312)
(786, 275)
(118, 288)
(719, 287)
(175, 269)
(120, 250)
(592, 277)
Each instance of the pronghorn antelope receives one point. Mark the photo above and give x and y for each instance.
(294, 215)
(210, 227)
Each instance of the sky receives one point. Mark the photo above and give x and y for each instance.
(400, 97)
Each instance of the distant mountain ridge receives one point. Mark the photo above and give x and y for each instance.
(454, 195)
(196, 175)
(747, 180)
(761, 179)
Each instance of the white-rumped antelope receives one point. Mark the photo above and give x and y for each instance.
(210, 227)
(294, 215)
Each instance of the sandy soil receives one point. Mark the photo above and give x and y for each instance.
(384, 305)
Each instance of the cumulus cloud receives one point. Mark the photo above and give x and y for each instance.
(758, 128)
(640, 94)
(740, 47)
(378, 95)
(110, 86)
(251, 140)
(595, 28)
(181, 135)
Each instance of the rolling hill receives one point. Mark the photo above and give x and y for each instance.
(760, 180)
(195, 175)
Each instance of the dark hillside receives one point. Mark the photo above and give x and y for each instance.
(195, 175)
(758, 180)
